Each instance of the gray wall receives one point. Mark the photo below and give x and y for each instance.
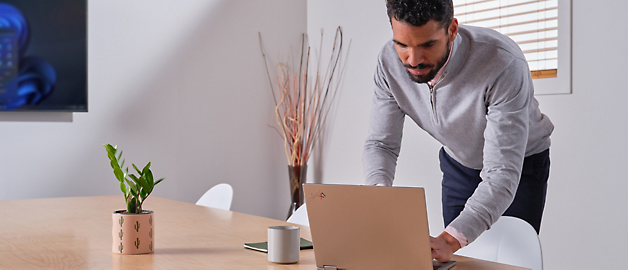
(585, 217)
(178, 83)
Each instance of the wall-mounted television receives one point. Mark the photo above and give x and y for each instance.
(43, 55)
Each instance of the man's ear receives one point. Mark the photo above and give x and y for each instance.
(453, 29)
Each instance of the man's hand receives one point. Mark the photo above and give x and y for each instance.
(443, 247)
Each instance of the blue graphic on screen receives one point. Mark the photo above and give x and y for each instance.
(24, 80)
(43, 55)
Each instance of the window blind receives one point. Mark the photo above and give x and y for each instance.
(533, 24)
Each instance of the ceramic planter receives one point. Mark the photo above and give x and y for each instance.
(133, 233)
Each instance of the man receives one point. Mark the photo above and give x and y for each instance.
(470, 88)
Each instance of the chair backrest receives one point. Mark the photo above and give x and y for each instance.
(511, 241)
(300, 216)
(219, 196)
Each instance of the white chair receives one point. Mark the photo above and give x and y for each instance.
(300, 216)
(219, 196)
(511, 241)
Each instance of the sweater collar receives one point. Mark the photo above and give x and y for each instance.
(457, 56)
(440, 72)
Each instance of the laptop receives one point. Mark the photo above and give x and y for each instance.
(369, 227)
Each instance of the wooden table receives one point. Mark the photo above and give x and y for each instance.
(75, 233)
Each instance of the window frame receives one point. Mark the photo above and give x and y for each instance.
(562, 84)
(558, 80)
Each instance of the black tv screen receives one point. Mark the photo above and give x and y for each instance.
(43, 55)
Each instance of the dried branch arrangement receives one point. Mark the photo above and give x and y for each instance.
(303, 100)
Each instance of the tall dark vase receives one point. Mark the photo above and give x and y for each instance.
(297, 178)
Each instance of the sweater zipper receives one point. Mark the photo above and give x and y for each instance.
(432, 102)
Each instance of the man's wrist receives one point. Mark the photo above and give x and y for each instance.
(451, 241)
(462, 240)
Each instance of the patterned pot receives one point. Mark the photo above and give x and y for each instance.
(133, 233)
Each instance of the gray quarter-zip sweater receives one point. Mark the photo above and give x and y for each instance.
(482, 110)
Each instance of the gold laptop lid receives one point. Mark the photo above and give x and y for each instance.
(368, 227)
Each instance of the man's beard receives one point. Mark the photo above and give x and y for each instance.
(429, 76)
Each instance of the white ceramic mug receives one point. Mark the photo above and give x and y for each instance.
(284, 244)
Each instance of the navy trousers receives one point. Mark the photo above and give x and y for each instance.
(459, 183)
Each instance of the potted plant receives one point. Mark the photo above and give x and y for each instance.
(133, 227)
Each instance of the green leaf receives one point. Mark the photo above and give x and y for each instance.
(118, 173)
(111, 152)
(110, 149)
(143, 194)
(134, 189)
(158, 181)
(120, 155)
(142, 182)
(114, 164)
(149, 178)
(147, 167)
(122, 164)
(112, 157)
(123, 188)
(136, 169)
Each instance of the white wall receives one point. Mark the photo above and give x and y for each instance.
(182, 84)
(178, 83)
(585, 217)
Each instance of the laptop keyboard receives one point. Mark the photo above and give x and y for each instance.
(443, 266)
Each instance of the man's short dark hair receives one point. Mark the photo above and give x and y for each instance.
(419, 12)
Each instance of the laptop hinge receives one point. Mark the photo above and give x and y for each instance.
(327, 267)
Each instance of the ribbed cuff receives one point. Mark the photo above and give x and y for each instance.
(378, 179)
(458, 235)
